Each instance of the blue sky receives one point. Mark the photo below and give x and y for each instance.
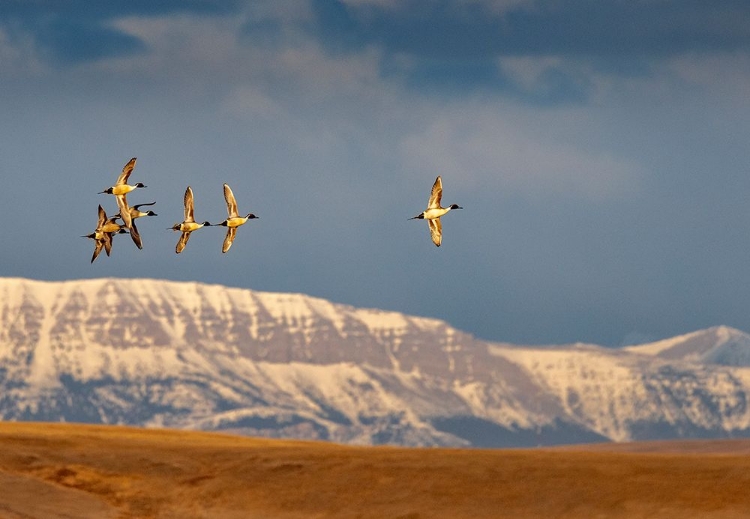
(600, 150)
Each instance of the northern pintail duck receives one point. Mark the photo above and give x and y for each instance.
(102, 236)
(135, 213)
(121, 189)
(433, 212)
(189, 224)
(234, 220)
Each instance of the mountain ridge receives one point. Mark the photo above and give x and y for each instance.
(193, 355)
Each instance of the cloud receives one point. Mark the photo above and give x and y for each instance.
(71, 41)
(77, 31)
(547, 80)
(17, 55)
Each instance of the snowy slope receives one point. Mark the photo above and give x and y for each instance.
(189, 355)
(718, 345)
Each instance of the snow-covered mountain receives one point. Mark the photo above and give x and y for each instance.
(189, 355)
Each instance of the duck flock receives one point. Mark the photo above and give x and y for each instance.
(107, 227)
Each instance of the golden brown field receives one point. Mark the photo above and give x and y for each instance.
(74, 471)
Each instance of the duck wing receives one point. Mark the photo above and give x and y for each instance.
(231, 233)
(122, 203)
(138, 206)
(231, 202)
(107, 242)
(436, 194)
(102, 219)
(436, 230)
(188, 201)
(135, 235)
(98, 244)
(126, 171)
(183, 241)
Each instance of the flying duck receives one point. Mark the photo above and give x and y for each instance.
(121, 189)
(135, 212)
(102, 236)
(234, 220)
(189, 224)
(433, 212)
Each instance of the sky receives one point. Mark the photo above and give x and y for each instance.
(600, 150)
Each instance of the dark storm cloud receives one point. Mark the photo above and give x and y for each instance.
(78, 31)
(457, 45)
(451, 30)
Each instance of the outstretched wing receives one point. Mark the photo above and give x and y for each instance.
(231, 233)
(98, 244)
(102, 219)
(231, 202)
(436, 230)
(436, 194)
(122, 203)
(183, 241)
(137, 207)
(126, 171)
(107, 242)
(136, 236)
(188, 201)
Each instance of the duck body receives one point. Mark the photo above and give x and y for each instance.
(122, 189)
(431, 214)
(189, 226)
(237, 220)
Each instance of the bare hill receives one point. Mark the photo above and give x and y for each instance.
(61, 471)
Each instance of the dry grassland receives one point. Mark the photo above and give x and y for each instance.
(74, 471)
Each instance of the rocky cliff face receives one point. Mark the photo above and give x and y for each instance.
(158, 353)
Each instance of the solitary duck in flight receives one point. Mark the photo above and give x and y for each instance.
(189, 224)
(433, 212)
(135, 212)
(102, 236)
(234, 220)
(121, 189)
